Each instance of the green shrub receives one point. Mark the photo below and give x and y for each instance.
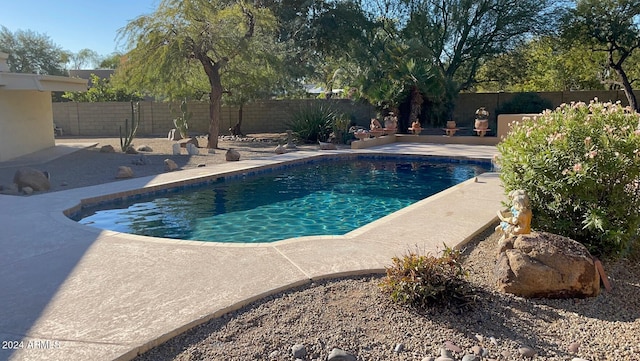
(525, 103)
(580, 165)
(424, 280)
(314, 123)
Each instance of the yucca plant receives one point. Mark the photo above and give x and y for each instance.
(314, 123)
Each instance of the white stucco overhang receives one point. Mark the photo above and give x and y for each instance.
(18, 81)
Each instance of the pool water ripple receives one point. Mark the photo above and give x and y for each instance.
(323, 198)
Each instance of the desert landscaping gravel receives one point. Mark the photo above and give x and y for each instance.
(352, 315)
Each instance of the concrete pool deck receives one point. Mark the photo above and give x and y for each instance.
(72, 292)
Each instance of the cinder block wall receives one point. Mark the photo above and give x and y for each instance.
(270, 116)
(103, 119)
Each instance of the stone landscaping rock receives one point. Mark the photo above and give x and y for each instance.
(327, 146)
(298, 351)
(124, 172)
(29, 177)
(176, 149)
(527, 351)
(183, 143)
(339, 355)
(543, 264)
(142, 160)
(131, 150)
(192, 149)
(280, 149)
(107, 149)
(27, 190)
(145, 148)
(170, 165)
(232, 155)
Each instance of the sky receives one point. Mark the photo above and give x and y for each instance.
(75, 24)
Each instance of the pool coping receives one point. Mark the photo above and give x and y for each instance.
(109, 296)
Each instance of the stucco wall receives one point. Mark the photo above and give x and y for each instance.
(26, 124)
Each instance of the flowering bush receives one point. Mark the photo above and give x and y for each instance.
(580, 165)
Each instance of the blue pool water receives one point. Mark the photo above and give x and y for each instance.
(321, 198)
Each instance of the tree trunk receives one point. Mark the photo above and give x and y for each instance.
(235, 130)
(628, 90)
(212, 69)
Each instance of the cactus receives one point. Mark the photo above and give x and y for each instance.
(127, 139)
(181, 122)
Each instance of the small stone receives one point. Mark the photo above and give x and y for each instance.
(451, 346)
(527, 351)
(192, 149)
(429, 358)
(399, 347)
(445, 353)
(64, 184)
(170, 165)
(506, 354)
(201, 165)
(280, 149)
(339, 355)
(573, 347)
(299, 351)
(131, 150)
(232, 155)
(443, 358)
(145, 148)
(107, 149)
(493, 340)
(142, 160)
(470, 358)
(274, 354)
(27, 190)
(477, 350)
(578, 359)
(479, 337)
(124, 172)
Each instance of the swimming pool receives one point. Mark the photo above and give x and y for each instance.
(325, 197)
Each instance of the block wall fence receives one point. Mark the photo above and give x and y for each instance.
(103, 119)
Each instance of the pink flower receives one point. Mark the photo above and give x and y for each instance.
(577, 167)
(587, 141)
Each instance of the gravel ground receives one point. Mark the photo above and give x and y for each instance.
(89, 166)
(351, 314)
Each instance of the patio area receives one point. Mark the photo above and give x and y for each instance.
(74, 292)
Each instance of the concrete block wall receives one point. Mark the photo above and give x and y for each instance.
(271, 116)
(103, 119)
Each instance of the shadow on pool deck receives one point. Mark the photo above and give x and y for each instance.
(101, 295)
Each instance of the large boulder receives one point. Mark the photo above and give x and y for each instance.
(541, 264)
(33, 178)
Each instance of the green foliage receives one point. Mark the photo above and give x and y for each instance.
(580, 165)
(424, 280)
(130, 133)
(102, 90)
(525, 103)
(31, 52)
(182, 121)
(314, 123)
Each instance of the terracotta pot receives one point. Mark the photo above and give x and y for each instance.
(451, 124)
(482, 124)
